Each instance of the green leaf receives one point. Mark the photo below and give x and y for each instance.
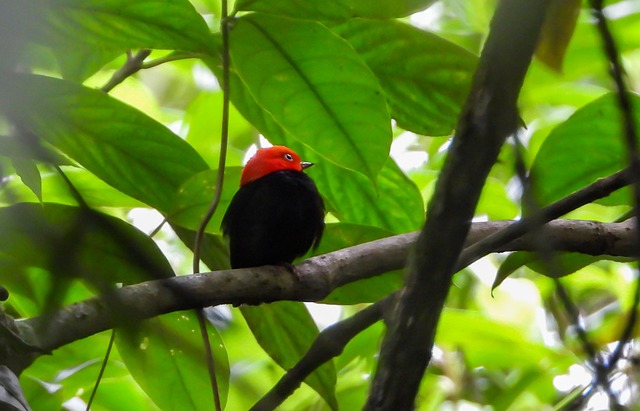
(29, 174)
(73, 369)
(192, 200)
(341, 235)
(425, 93)
(510, 264)
(39, 397)
(588, 146)
(316, 86)
(557, 30)
(68, 243)
(119, 144)
(495, 202)
(122, 394)
(335, 9)
(285, 330)
(492, 345)
(213, 250)
(94, 191)
(365, 346)
(85, 35)
(165, 356)
(396, 205)
(204, 134)
(14, 147)
(563, 264)
(79, 63)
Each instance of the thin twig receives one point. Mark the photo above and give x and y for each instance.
(224, 29)
(103, 367)
(488, 117)
(629, 126)
(545, 251)
(131, 66)
(574, 316)
(328, 344)
(598, 189)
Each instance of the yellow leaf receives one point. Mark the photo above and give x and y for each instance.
(557, 30)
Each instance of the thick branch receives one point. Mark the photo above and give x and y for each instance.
(318, 276)
(489, 116)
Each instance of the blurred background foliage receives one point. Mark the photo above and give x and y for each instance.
(150, 151)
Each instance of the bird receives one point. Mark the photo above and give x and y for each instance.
(277, 214)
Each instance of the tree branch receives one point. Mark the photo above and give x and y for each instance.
(488, 242)
(631, 140)
(133, 64)
(489, 116)
(318, 276)
(329, 344)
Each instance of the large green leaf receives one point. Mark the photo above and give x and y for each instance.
(165, 356)
(119, 144)
(316, 86)
(588, 146)
(335, 9)
(69, 242)
(29, 175)
(73, 370)
(394, 204)
(562, 264)
(204, 134)
(426, 92)
(285, 330)
(86, 34)
(94, 191)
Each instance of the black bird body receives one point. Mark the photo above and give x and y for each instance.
(274, 219)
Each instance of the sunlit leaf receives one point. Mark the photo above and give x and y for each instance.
(204, 133)
(122, 394)
(86, 35)
(94, 191)
(495, 202)
(588, 146)
(395, 204)
(29, 174)
(336, 9)
(493, 342)
(165, 356)
(289, 66)
(194, 197)
(119, 144)
(426, 93)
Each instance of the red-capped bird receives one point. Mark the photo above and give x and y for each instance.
(277, 214)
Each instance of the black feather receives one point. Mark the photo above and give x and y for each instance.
(274, 220)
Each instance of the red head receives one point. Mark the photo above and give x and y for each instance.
(269, 160)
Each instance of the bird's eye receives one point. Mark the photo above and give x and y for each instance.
(288, 157)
